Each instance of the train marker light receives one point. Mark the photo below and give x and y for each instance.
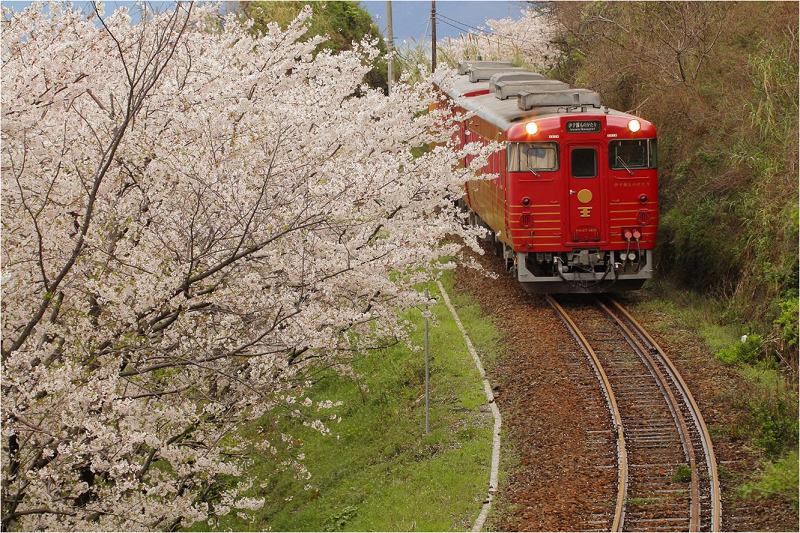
(634, 125)
(531, 128)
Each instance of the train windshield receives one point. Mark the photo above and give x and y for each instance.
(640, 153)
(524, 157)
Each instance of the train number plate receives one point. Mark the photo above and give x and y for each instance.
(583, 126)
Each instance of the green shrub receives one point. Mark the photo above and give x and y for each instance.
(337, 521)
(778, 479)
(787, 321)
(746, 352)
(683, 474)
(777, 427)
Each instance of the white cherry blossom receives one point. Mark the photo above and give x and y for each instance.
(194, 222)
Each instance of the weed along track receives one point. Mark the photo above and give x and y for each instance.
(665, 465)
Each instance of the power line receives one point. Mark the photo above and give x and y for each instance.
(465, 25)
(485, 36)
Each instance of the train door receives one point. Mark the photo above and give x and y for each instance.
(586, 176)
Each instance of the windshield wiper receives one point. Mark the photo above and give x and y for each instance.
(624, 165)
(534, 172)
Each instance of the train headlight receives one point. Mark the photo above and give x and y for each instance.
(634, 125)
(531, 128)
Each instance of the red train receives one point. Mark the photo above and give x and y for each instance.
(575, 206)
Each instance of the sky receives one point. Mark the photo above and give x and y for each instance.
(411, 19)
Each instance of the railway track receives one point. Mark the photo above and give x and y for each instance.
(666, 470)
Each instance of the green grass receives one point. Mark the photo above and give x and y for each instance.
(687, 310)
(683, 474)
(378, 471)
(778, 479)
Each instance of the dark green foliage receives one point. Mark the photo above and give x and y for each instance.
(683, 474)
(342, 23)
(693, 246)
(338, 520)
(777, 428)
(747, 352)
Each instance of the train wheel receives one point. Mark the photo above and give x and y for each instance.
(511, 263)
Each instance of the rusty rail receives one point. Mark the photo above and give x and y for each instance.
(700, 425)
(678, 404)
(622, 454)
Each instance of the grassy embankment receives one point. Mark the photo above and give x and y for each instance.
(378, 471)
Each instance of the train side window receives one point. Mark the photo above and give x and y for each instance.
(628, 154)
(583, 162)
(524, 157)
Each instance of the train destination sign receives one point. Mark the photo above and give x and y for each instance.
(583, 126)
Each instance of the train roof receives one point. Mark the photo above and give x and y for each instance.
(505, 95)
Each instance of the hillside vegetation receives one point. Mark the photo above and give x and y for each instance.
(341, 23)
(720, 82)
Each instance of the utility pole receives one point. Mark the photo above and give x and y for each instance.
(427, 372)
(433, 35)
(390, 45)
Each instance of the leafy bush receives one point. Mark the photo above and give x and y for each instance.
(746, 352)
(683, 474)
(777, 479)
(337, 521)
(777, 427)
(787, 321)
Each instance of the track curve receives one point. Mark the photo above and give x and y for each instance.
(662, 441)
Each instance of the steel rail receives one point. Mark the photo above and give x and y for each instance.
(705, 437)
(674, 407)
(622, 454)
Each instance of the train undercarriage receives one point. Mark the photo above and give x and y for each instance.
(580, 271)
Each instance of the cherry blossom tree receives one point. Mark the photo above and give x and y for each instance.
(527, 40)
(194, 220)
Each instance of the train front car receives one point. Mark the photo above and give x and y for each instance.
(575, 207)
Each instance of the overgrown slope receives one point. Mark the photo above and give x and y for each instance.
(720, 82)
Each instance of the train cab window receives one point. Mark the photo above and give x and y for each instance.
(583, 162)
(653, 153)
(628, 154)
(524, 157)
